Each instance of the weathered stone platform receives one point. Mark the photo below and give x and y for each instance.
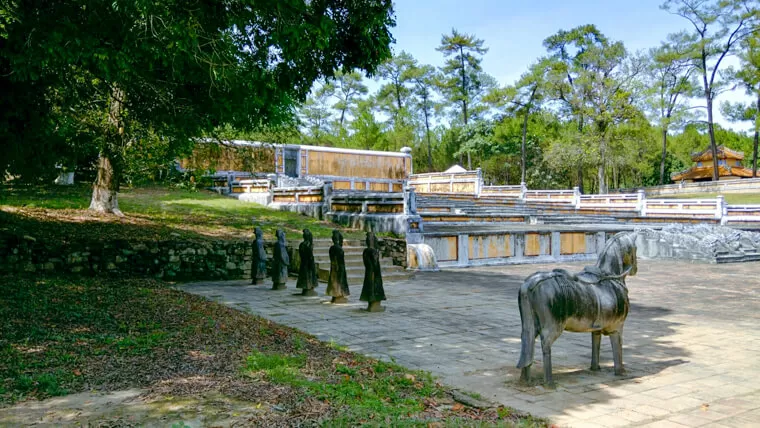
(516, 243)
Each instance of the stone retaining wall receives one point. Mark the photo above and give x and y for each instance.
(170, 260)
(394, 248)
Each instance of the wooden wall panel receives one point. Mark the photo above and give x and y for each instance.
(489, 247)
(572, 243)
(446, 248)
(532, 244)
(355, 165)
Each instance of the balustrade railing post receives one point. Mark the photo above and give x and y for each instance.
(641, 201)
(327, 189)
(523, 190)
(576, 197)
(721, 209)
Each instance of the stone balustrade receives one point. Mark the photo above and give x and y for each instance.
(462, 183)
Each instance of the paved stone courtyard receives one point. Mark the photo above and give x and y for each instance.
(691, 343)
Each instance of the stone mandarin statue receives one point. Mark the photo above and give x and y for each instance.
(372, 291)
(280, 263)
(307, 272)
(259, 259)
(337, 284)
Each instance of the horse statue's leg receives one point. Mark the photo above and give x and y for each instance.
(525, 375)
(529, 331)
(616, 339)
(548, 336)
(596, 343)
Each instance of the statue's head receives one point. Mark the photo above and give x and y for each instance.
(307, 236)
(619, 255)
(371, 240)
(258, 232)
(337, 238)
(280, 235)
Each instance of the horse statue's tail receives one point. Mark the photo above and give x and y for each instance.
(528, 318)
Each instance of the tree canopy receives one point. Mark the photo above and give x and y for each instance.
(113, 72)
(121, 89)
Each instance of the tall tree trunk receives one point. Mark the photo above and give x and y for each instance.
(580, 176)
(664, 154)
(464, 100)
(106, 186)
(469, 157)
(711, 131)
(757, 137)
(523, 156)
(602, 169)
(429, 144)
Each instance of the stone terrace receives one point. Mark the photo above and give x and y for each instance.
(690, 346)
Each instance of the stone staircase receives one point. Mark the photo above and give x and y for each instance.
(353, 250)
(493, 211)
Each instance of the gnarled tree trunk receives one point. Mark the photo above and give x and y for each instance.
(106, 186)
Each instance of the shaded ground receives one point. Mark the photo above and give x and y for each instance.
(153, 213)
(156, 355)
(690, 344)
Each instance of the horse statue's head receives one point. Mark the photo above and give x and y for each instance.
(619, 255)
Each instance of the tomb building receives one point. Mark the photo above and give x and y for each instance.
(729, 166)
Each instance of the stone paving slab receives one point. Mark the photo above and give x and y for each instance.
(691, 342)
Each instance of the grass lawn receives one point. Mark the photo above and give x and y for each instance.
(731, 198)
(61, 335)
(57, 212)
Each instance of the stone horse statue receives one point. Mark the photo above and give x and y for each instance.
(594, 300)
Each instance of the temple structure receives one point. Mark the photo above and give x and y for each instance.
(729, 166)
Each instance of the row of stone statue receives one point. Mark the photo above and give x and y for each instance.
(337, 284)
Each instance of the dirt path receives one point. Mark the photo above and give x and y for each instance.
(132, 407)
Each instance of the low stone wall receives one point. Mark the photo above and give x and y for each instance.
(393, 248)
(170, 260)
(162, 259)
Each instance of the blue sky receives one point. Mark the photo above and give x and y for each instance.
(514, 30)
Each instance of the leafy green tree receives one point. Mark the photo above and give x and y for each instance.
(669, 82)
(397, 72)
(424, 79)
(316, 114)
(748, 77)
(367, 133)
(179, 69)
(462, 73)
(348, 89)
(719, 27)
(524, 98)
(592, 77)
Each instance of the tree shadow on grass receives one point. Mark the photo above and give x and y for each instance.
(58, 214)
